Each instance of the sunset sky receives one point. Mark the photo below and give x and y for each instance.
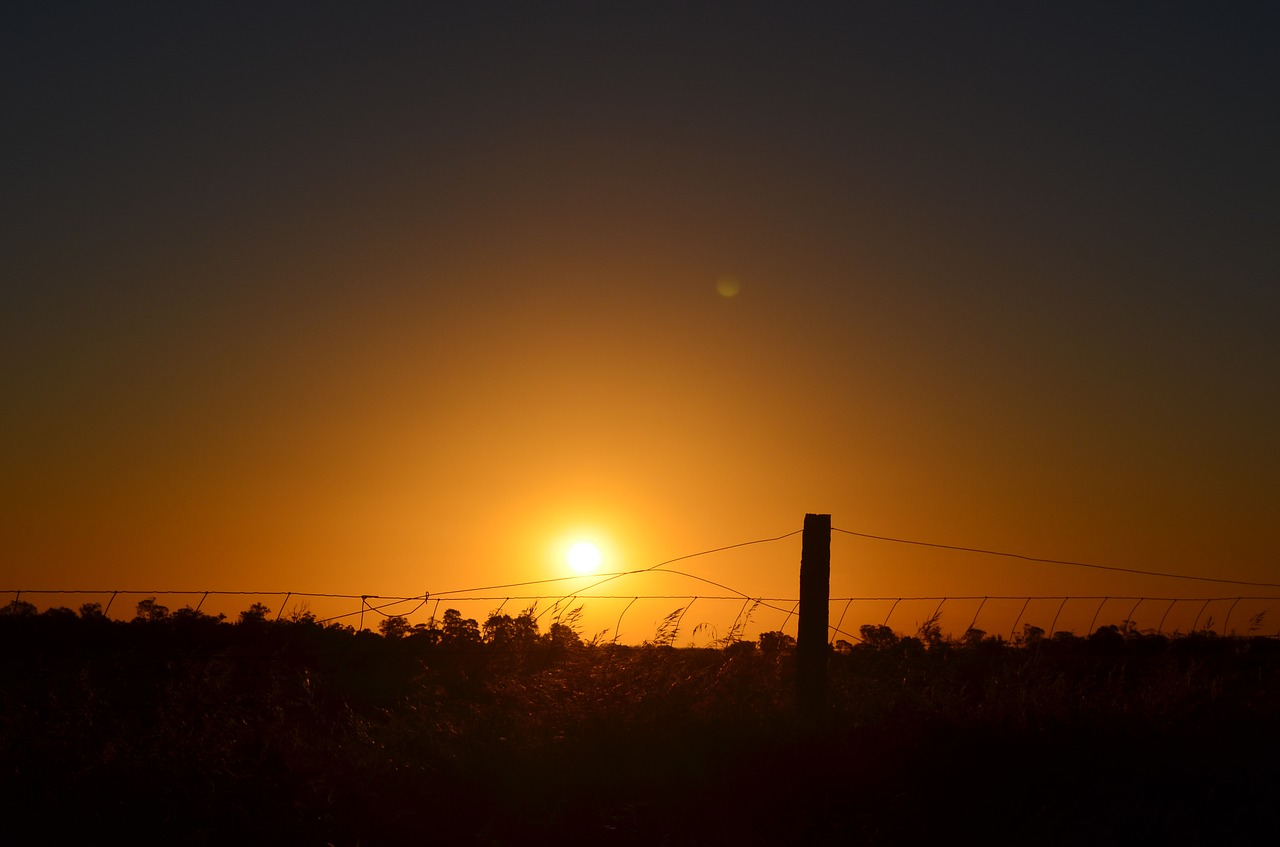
(397, 298)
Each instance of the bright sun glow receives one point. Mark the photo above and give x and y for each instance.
(584, 557)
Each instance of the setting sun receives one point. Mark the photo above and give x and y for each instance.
(584, 557)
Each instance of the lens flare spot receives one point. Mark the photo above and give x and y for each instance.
(728, 286)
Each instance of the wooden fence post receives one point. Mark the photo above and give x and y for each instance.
(815, 590)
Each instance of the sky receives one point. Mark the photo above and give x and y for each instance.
(389, 299)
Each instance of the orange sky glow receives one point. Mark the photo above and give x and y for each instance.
(415, 321)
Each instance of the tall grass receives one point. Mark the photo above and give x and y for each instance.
(193, 729)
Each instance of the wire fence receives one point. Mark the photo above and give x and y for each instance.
(726, 613)
(708, 619)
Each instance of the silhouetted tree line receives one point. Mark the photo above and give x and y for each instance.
(496, 731)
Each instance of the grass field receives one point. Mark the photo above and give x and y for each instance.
(185, 728)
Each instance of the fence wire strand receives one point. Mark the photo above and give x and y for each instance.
(788, 606)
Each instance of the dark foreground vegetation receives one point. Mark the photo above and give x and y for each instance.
(185, 728)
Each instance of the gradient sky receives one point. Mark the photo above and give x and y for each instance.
(401, 297)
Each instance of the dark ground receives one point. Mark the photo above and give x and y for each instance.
(198, 731)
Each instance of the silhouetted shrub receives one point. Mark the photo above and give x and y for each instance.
(776, 642)
(18, 609)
